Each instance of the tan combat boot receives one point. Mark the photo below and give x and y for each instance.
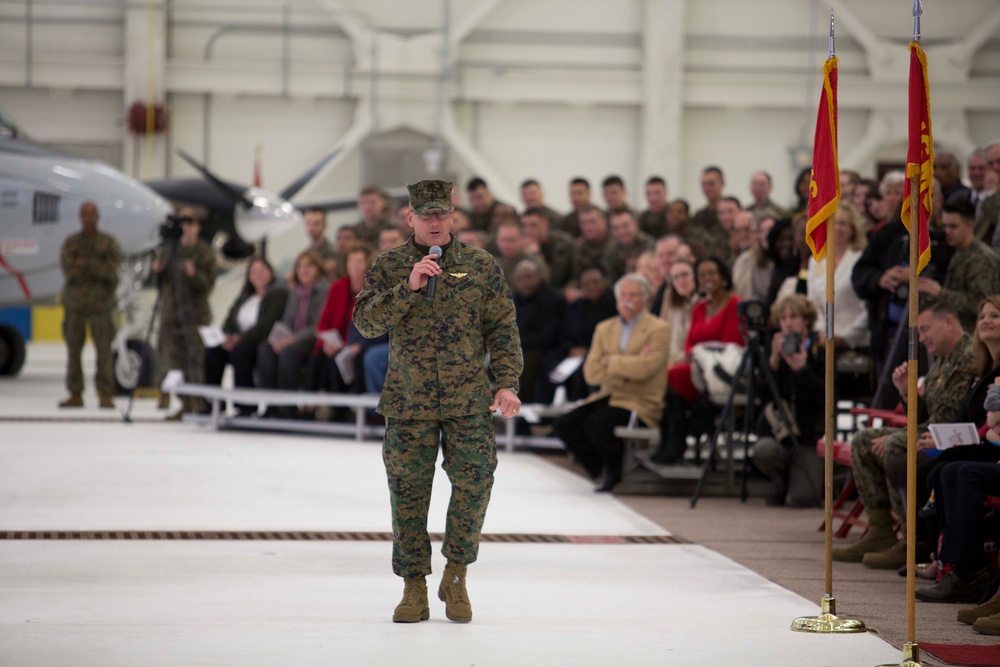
(987, 625)
(413, 608)
(988, 608)
(452, 592)
(880, 536)
(107, 402)
(74, 401)
(892, 558)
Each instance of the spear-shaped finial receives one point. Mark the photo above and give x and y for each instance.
(918, 11)
(833, 49)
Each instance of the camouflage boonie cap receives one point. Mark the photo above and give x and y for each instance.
(429, 196)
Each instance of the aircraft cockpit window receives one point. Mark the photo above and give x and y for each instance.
(45, 209)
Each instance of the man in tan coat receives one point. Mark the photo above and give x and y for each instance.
(628, 360)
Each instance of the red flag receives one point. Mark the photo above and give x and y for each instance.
(256, 167)
(919, 153)
(824, 182)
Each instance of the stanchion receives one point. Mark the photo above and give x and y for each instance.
(911, 656)
(828, 622)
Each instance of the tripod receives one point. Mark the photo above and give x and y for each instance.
(168, 250)
(753, 363)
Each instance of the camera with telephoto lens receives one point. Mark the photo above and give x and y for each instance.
(753, 314)
(791, 344)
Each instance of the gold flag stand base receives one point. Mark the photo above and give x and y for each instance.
(827, 622)
(911, 656)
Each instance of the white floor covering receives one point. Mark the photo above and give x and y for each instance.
(211, 603)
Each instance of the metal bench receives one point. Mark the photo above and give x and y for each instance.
(216, 396)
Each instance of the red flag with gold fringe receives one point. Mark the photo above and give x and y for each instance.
(919, 154)
(824, 182)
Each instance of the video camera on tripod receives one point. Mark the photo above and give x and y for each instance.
(171, 230)
(753, 317)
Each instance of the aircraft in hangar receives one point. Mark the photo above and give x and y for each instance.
(41, 191)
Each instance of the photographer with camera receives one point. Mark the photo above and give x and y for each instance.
(796, 475)
(186, 268)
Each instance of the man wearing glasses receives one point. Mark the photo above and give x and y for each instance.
(442, 313)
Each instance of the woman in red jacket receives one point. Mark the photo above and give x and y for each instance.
(335, 332)
(713, 319)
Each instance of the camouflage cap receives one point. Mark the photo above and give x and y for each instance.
(429, 196)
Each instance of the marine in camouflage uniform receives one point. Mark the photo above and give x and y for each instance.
(186, 281)
(972, 273)
(946, 385)
(437, 392)
(90, 263)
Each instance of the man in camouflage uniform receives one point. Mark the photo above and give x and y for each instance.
(315, 225)
(974, 270)
(945, 387)
(187, 274)
(556, 247)
(437, 392)
(90, 263)
(626, 245)
(653, 220)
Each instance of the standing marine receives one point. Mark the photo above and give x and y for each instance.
(437, 391)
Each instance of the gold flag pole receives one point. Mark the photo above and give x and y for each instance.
(828, 622)
(911, 652)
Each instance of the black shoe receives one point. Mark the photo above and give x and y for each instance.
(953, 589)
(928, 510)
(612, 475)
(666, 454)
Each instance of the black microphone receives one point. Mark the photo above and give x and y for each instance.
(435, 252)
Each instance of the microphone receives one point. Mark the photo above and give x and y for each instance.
(435, 252)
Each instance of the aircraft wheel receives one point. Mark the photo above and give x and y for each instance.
(12, 351)
(134, 368)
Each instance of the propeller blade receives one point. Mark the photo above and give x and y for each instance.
(233, 194)
(300, 182)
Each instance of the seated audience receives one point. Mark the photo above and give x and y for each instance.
(678, 300)
(628, 361)
(589, 247)
(649, 267)
(257, 307)
(554, 246)
(974, 269)
(850, 326)
(325, 373)
(627, 243)
(665, 253)
(753, 267)
(615, 195)
(964, 487)
(653, 220)
(374, 216)
(713, 320)
(539, 310)
(280, 360)
(579, 199)
(796, 473)
(533, 197)
(315, 226)
(872, 450)
(582, 316)
(785, 261)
